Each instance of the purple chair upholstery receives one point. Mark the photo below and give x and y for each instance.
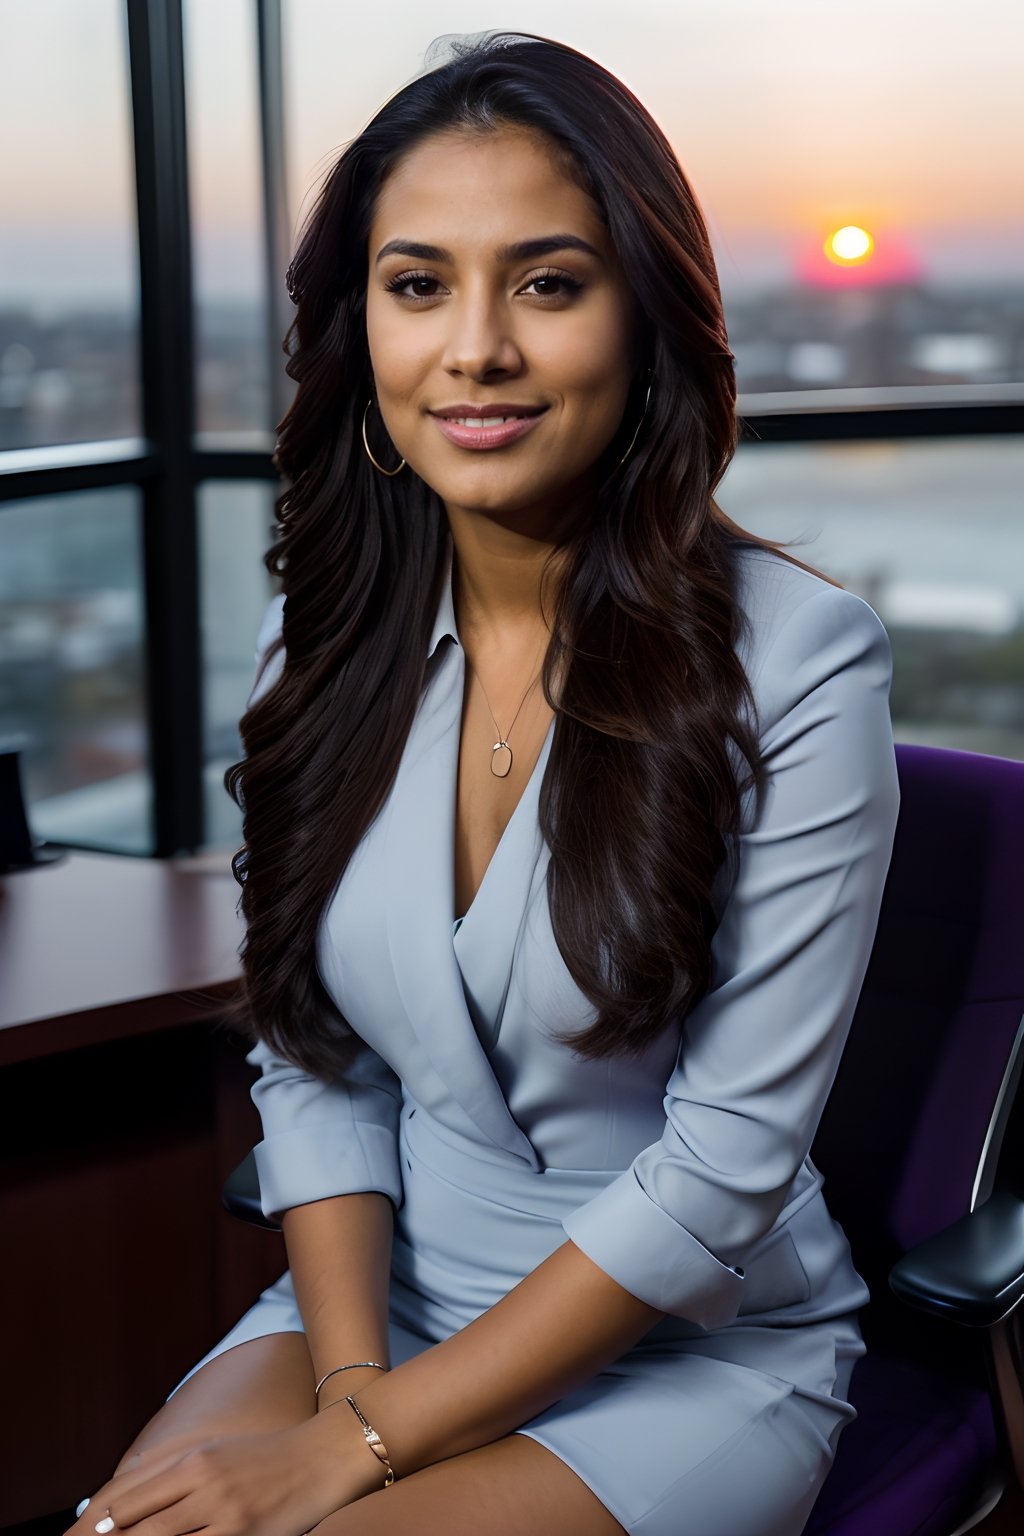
(922, 1149)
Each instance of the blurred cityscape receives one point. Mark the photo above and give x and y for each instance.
(930, 532)
(73, 377)
(894, 334)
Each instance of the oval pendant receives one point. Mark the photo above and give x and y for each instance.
(501, 759)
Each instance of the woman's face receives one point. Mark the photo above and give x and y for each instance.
(477, 325)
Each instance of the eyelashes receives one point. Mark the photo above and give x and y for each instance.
(397, 284)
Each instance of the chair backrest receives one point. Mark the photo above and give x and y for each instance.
(928, 1076)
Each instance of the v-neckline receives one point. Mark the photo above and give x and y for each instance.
(453, 990)
(510, 828)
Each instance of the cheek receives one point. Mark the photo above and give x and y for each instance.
(389, 345)
(598, 390)
(590, 362)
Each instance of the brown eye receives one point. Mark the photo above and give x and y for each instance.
(397, 284)
(569, 284)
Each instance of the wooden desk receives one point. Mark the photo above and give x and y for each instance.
(96, 947)
(124, 1104)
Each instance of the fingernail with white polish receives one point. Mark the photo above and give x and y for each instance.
(80, 1508)
(103, 1526)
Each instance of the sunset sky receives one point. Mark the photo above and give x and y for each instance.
(904, 117)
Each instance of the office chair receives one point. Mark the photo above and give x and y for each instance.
(920, 1144)
(922, 1148)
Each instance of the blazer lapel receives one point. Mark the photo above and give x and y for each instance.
(419, 867)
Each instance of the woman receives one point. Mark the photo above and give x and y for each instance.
(567, 820)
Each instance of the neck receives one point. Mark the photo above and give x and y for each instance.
(501, 592)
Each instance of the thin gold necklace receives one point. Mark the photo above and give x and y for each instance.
(501, 752)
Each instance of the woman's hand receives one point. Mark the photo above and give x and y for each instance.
(277, 1483)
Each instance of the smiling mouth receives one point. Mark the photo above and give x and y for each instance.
(483, 421)
(494, 416)
(488, 431)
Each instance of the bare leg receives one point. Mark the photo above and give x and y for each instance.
(263, 1384)
(513, 1487)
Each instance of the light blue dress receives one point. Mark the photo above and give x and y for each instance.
(685, 1174)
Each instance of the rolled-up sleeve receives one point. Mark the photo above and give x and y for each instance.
(325, 1138)
(759, 1053)
(320, 1138)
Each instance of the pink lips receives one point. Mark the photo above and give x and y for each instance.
(487, 437)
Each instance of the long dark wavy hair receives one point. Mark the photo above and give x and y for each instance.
(653, 704)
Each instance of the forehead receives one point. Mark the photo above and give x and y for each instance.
(476, 191)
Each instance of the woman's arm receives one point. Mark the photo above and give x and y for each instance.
(339, 1254)
(558, 1327)
(329, 1174)
(328, 1171)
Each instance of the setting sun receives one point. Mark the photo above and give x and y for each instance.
(849, 257)
(849, 246)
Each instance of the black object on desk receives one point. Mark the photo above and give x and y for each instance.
(17, 850)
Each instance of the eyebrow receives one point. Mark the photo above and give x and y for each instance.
(522, 250)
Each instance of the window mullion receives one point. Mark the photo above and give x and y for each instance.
(174, 683)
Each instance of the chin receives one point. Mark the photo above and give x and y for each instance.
(487, 493)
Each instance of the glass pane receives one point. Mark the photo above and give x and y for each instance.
(931, 534)
(227, 218)
(72, 666)
(235, 524)
(69, 297)
(793, 122)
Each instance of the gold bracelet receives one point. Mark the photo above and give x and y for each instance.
(375, 1442)
(357, 1365)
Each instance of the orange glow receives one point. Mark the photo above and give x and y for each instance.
(848, 257)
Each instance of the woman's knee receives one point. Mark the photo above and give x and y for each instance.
(262, 1384)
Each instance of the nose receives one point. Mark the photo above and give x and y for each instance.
(480, 337)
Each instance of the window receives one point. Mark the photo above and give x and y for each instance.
(229, 274)
(148, 224)
(69, 302)
(931, 534)
(72, 665)
(235, 519)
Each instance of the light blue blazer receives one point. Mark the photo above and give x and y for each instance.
(686, 1174)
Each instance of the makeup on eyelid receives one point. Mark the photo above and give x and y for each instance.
(395, 285)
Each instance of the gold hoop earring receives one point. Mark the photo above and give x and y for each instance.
(640, 423)
(366, 445)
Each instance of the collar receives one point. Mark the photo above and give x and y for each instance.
(444, 621)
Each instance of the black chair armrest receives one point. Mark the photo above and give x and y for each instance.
(241, 1195)
(973, 1271)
